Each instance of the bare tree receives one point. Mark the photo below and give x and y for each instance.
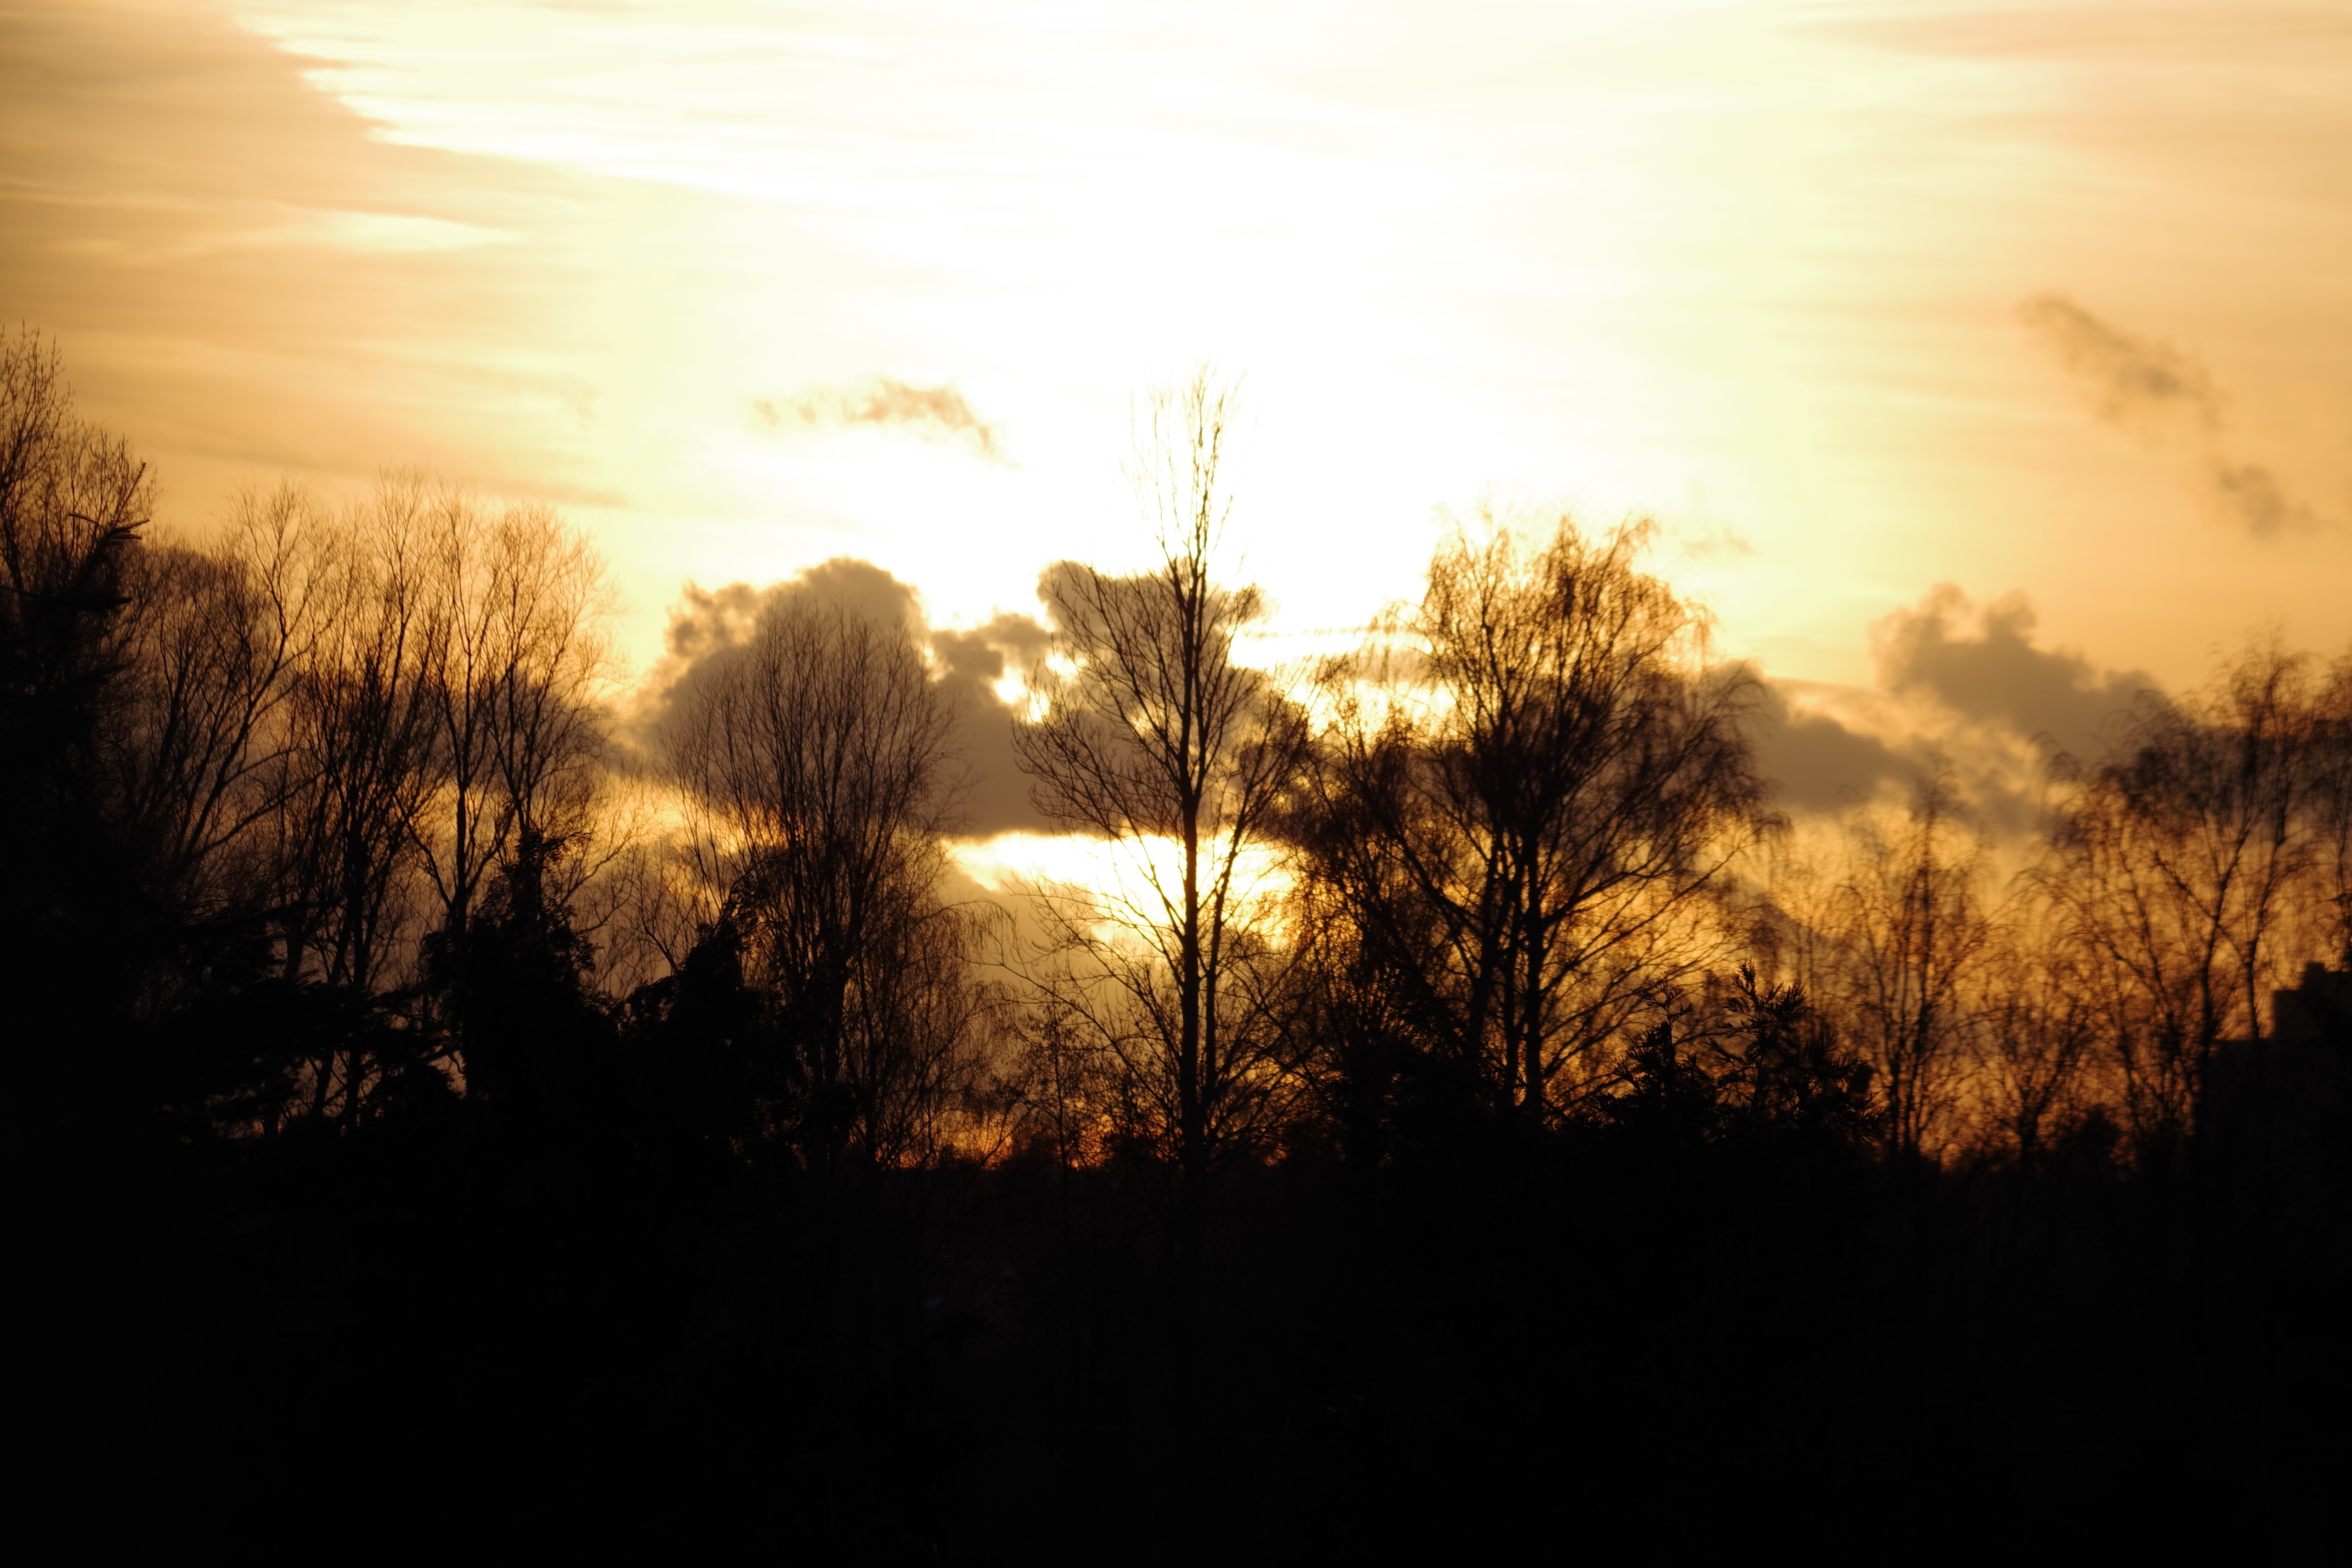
(216, 640)
(914, 1039)
(813, 760)
(516, 659)
(1532, 787)
(1061, 1087)
(2041, 1024)
(73, 500)
(1910, 927)
(2176, 865)
(515, 599)
(1157, 741)
(359, 747)
(2330, 810)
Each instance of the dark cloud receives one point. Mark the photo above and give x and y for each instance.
(2164, 396)
(1963, 693)
(970, 664)
(2253, 495)
(1983, 665)
(1815, 763)
(709, 625)
(2129, 380)
(711, 619)
(934, 413)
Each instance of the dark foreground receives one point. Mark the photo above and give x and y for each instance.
(1626, 1340)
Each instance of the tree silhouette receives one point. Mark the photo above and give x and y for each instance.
(814, 760)
(73, 502)
(2177, 863)
(1458, 1097)
(1157, 741)
(1534, 784)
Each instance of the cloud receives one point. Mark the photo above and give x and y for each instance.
(2165, 396)
(1963, 691)
(709, 625)
(244, 280)
(368, 231)
(2129, 380)
(2253, 494)
(970, 665)
(1815, 761)
(1715, 545)
(934, 413)
(1990, 672)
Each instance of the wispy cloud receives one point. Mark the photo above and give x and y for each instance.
(2130, 380)
(934, 413)
(1716, 543)
(2165, 396)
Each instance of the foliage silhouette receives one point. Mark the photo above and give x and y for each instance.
(1552, 1144)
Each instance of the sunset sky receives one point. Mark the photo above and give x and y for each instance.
(1857, 298)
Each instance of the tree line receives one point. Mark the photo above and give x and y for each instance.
(1460, 1001)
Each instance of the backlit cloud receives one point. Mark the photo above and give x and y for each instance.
(1983, 663)
(1817, 763)
(2165, 396)
(2129, 381)
(934, 413)
(1964, 693)
(712, 627)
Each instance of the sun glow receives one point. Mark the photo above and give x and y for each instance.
(1753, 266)
(1750, 265)
(1131, 881)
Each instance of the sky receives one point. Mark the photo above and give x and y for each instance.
(1971, 357)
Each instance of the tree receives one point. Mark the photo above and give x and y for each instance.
(2176, 864)
(73, 500)
(2330, 760)
(1532, 783)
(363, 750)
(1759, 1070)
(1155, 740)
(522, 995)
(1911, 930)
(814, 761)
(2040, 1030)
(510, 693)
(215, 641)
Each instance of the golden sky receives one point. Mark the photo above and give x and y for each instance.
(698, 271)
